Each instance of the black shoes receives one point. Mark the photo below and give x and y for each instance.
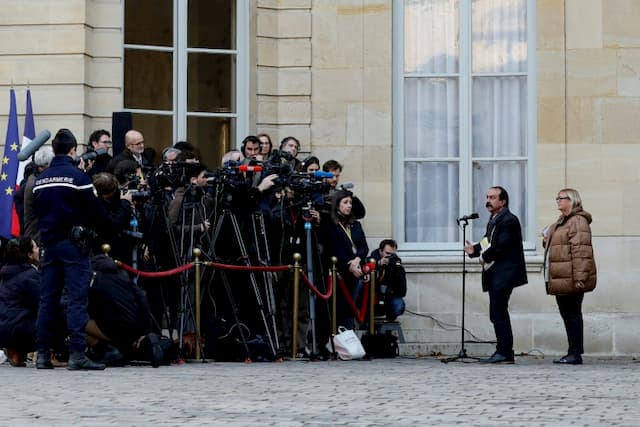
(152, 350)
(498, 358)
(80, 362)
(44, 361)
(569, 359)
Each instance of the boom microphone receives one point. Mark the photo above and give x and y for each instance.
(468, 217)
(247, 168)
(34, 145)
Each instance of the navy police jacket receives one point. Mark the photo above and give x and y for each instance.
(64, 197)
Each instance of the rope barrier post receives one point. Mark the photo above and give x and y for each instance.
(334, 296)
(106, 248)
(197, 253)
(372, 295)
(296, 297)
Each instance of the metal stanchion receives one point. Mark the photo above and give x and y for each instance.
(372, 295)
(106, 248)
(197, 253)
(334, 277)
(296, 297)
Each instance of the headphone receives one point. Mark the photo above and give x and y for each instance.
(250, 138)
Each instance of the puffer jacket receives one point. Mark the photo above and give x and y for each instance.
(571, 254)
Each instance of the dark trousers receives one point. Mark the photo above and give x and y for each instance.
(64, 266)
(571, 311)
(499, 315)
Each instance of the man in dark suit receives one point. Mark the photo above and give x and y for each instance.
(503, 268)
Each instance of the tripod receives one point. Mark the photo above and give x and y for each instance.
(272, 342)
(463, 352)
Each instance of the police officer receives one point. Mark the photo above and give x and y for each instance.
(64, 198)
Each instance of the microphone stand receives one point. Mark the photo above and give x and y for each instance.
(463, 352)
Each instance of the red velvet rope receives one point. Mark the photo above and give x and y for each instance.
(246, 267)
(315, 290)
(154, 274)
(359, 312)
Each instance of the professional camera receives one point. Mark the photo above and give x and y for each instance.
(174, 174)
(393, 261)
(228, 175)
(139, 192)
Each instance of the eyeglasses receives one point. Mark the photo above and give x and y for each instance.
(106, 142)
(562, 198)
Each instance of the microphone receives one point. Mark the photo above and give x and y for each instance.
(468, 217)
(322, 174)
(247, 168)
(34, 145)
(346, 186)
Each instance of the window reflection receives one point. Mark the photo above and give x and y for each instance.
(148, 80)
(148, 22)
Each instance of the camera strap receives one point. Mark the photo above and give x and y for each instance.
(347, 231)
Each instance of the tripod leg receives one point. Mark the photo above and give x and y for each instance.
(267, 277)
(254, 284)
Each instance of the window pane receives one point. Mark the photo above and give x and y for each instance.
(431, 117)
(212, 137)
(512, 176)
(148, 77)
(499, 30)
(209, 82)
(148, 22)
(499, 116)
(211, 24)
(431, 36)
(157, 131)
(431, 202)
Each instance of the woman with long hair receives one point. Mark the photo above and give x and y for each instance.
(344, 238)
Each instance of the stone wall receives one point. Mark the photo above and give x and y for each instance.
(70, 54)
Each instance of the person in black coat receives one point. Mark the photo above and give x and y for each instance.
(120, 318)
(19, 299)
(344, 238)
(503, 268)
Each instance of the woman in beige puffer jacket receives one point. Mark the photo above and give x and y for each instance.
(570, 268)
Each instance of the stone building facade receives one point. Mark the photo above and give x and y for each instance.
(322, 70)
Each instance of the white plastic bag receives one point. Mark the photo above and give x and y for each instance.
(347, 344)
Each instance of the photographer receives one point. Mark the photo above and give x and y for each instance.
(100, 143)
(121, 211)
(391, 283)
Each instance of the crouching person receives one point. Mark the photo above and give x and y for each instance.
(391, 285)
(19, 298)
(119, 329)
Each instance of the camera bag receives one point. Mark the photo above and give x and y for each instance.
(381, 346)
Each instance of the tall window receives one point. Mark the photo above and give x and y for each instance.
(464, 103)
(186, 72)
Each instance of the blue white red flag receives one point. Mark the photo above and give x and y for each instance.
(9, 169)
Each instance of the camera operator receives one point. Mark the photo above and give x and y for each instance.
(190, 209)
(120, 317)
(100, 143)
(119, 206)
(391, 283)
(334, 167)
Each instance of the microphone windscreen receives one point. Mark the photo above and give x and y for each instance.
(34, 145)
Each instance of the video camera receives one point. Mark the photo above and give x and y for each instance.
(229, 175)
(89, 155)
(139, 192)
(174, 174)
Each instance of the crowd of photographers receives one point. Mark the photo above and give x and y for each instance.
(71, 302)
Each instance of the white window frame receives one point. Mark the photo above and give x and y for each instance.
(180, 58)
(465, 106)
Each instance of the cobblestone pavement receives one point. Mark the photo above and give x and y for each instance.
(391, 392)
